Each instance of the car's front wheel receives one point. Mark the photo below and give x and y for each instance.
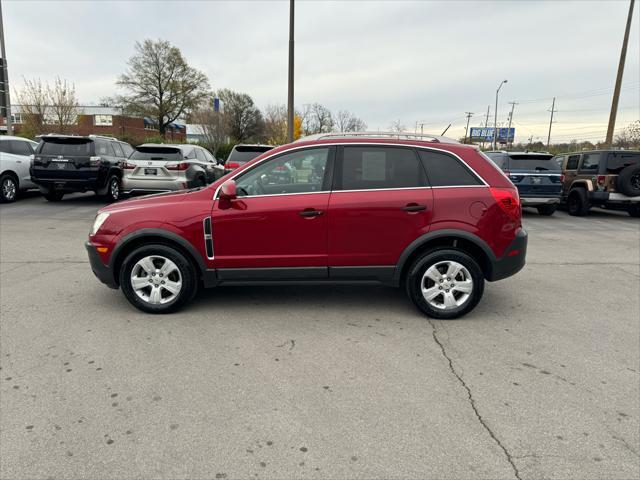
(158, 279)
(445, 284)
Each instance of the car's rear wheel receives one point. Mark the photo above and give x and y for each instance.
(54, 195)
(578, 203)
(445, 284)
(158, 279)
(547, 210)
(8, 188)
(113, 189)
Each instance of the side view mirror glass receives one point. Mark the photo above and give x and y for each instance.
(228, 190)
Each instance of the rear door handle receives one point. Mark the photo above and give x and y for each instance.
(414, 207)
(310, 212)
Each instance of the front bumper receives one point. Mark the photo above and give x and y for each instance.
(100, 270)
(513, 259)
(536, 201)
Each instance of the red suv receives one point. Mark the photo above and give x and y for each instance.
(435, 217)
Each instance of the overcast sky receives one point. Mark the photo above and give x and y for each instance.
(416, 61)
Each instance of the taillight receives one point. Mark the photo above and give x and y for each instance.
(129, 166)
(178, 166)
(601, 180)
(508, 200)
(95, 161)
(231, 165)
(562, 178)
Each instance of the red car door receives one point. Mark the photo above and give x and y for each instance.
(279, 218)
(380, 204)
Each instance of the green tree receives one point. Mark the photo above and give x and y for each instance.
(161, 84)
(243, 119)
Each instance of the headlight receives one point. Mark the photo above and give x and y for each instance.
(97, 223)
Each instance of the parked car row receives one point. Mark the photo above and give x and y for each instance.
(601, 178)
(61, 164)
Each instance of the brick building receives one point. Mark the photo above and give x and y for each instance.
(108, 121)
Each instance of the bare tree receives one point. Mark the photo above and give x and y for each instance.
(243, 119)
(347, 122)
(161, 84)
(275, 124)
(46, 108)
(63, 106)
(629, 137)
(397, 127)
(211, 125)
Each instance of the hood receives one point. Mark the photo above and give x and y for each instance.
(153, 200)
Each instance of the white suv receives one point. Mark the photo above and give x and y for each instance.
(15, 158)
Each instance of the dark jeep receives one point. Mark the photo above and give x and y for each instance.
(601, 178)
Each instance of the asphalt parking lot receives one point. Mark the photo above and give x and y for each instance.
(542, 380)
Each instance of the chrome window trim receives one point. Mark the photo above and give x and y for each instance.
(309, 147)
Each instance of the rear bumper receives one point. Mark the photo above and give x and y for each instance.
(133, 184)
(513, 259)
(535, 201)
(612, 197)
(100, 270)
(68, 185)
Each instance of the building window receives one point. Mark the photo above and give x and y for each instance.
(103, 120)
(16, 118)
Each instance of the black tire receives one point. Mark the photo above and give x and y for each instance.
(634, 211)
(578, 203)
(547, 210)
(54, 195)
(414, 282)
(628, 182)
(201, 182)
(187, 275)
(8, 188)
(113, 189)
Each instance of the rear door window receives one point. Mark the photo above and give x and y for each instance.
(445, 170)
(117, 149)
(19, 147)
(4, 146)
(368, 167)
(618, 161)
(572, 163)
(590, 162)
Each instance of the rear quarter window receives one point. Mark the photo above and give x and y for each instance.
(446, 170)
(618, 161)
(590, 162)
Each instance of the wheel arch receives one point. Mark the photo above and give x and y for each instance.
(454, 239)
(13, 174)
(158, 237)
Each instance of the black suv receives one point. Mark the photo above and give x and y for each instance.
(67, 163)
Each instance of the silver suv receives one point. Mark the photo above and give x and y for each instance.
(163, 168)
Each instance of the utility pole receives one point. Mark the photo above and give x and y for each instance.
(553, 110)
(495, 117)
(486, 121)
(5, 76)
(466, 132)
(530, 140)
(290, 111)
(616, 92)
(513, 106)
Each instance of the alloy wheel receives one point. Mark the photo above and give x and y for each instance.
(9, 189)
(156, 280)
(447, 285)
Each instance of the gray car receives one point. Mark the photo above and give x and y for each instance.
(164, 167)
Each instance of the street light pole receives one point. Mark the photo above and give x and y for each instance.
(5, 76)
(495, 117)
(290, 112)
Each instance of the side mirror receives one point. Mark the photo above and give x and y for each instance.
(228, 190)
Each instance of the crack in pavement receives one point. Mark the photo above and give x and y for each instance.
(473, 402)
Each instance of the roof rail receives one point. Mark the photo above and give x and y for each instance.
(399, 136)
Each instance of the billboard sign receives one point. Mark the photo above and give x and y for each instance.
(485, 134)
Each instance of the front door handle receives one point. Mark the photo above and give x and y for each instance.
(310, 212)
(414, 207)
